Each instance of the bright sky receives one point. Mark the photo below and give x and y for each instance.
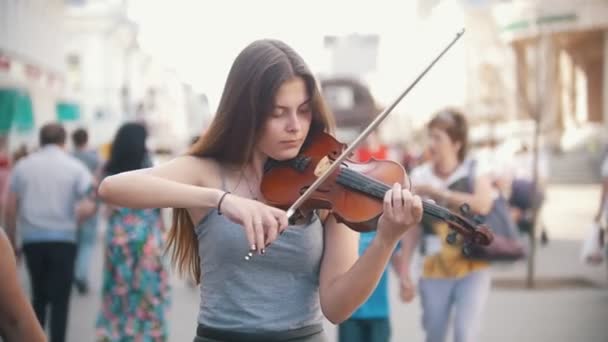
(200, 39)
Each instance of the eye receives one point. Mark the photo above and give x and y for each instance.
(278, 112)
(305, 109)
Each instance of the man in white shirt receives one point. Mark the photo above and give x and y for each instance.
(49, 193)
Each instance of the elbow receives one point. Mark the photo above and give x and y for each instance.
(335, 321)
(104, 191)
(334, 317)
(334, 314)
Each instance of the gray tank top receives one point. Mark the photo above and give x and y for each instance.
(276, 291)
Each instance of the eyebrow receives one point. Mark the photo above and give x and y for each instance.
(301, 104)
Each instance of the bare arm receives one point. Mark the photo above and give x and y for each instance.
(345, 281)
(17, 319)
(407, 287)
(409, 241)
(480, 200)
(85, 208)
(11, 217)
(180, 184)
(337, 260)
(175, 184)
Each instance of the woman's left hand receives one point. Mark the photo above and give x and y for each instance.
(402, 210)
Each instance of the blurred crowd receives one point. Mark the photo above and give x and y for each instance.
(56, 184)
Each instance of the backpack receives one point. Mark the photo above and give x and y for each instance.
(506, 245)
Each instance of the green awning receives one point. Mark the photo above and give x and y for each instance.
(525, 24)
(15, 111)
(67, 112)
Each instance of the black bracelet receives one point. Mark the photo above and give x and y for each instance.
(219, 203)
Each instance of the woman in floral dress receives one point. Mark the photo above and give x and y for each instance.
(135, 290)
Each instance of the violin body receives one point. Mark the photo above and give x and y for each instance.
(349, 195)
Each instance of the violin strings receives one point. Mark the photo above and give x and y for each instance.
(377, 189)
(363, 183)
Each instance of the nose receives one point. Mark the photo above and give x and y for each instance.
(293, 122)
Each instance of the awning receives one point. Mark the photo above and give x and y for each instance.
(526, 19)
(15, 111)
(67, 112)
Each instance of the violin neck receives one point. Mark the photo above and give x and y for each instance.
(362, 183)
(376, 189)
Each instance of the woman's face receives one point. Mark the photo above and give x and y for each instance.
(287, 126)
(441, 146)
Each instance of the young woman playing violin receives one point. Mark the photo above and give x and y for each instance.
(271, 106)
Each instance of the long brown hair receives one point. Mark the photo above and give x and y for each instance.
(247, 101)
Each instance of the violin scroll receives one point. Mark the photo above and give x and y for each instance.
(465, 224)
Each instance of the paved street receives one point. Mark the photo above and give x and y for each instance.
(570, 303)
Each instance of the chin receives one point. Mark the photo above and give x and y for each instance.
(285, 154)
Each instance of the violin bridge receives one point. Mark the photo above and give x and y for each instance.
(323, 165)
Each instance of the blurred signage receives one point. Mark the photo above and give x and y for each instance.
(67, 112)
(15, 111)
(526, 19)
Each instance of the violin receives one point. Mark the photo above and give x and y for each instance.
(321, 177)
(353, 192)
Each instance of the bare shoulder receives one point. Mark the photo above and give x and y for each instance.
(207, 170)
(191, 170)
(203, 172)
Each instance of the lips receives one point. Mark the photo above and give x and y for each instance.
(291, 142)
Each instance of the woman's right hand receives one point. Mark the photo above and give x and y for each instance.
(407, 289)
(262, 222)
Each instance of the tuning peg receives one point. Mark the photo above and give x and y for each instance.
(465, 209)
(451, 238)
(478, 219)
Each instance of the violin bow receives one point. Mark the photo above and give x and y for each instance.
(351, 147)
(347, 152)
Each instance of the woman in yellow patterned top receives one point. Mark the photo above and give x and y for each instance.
(449, 281)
